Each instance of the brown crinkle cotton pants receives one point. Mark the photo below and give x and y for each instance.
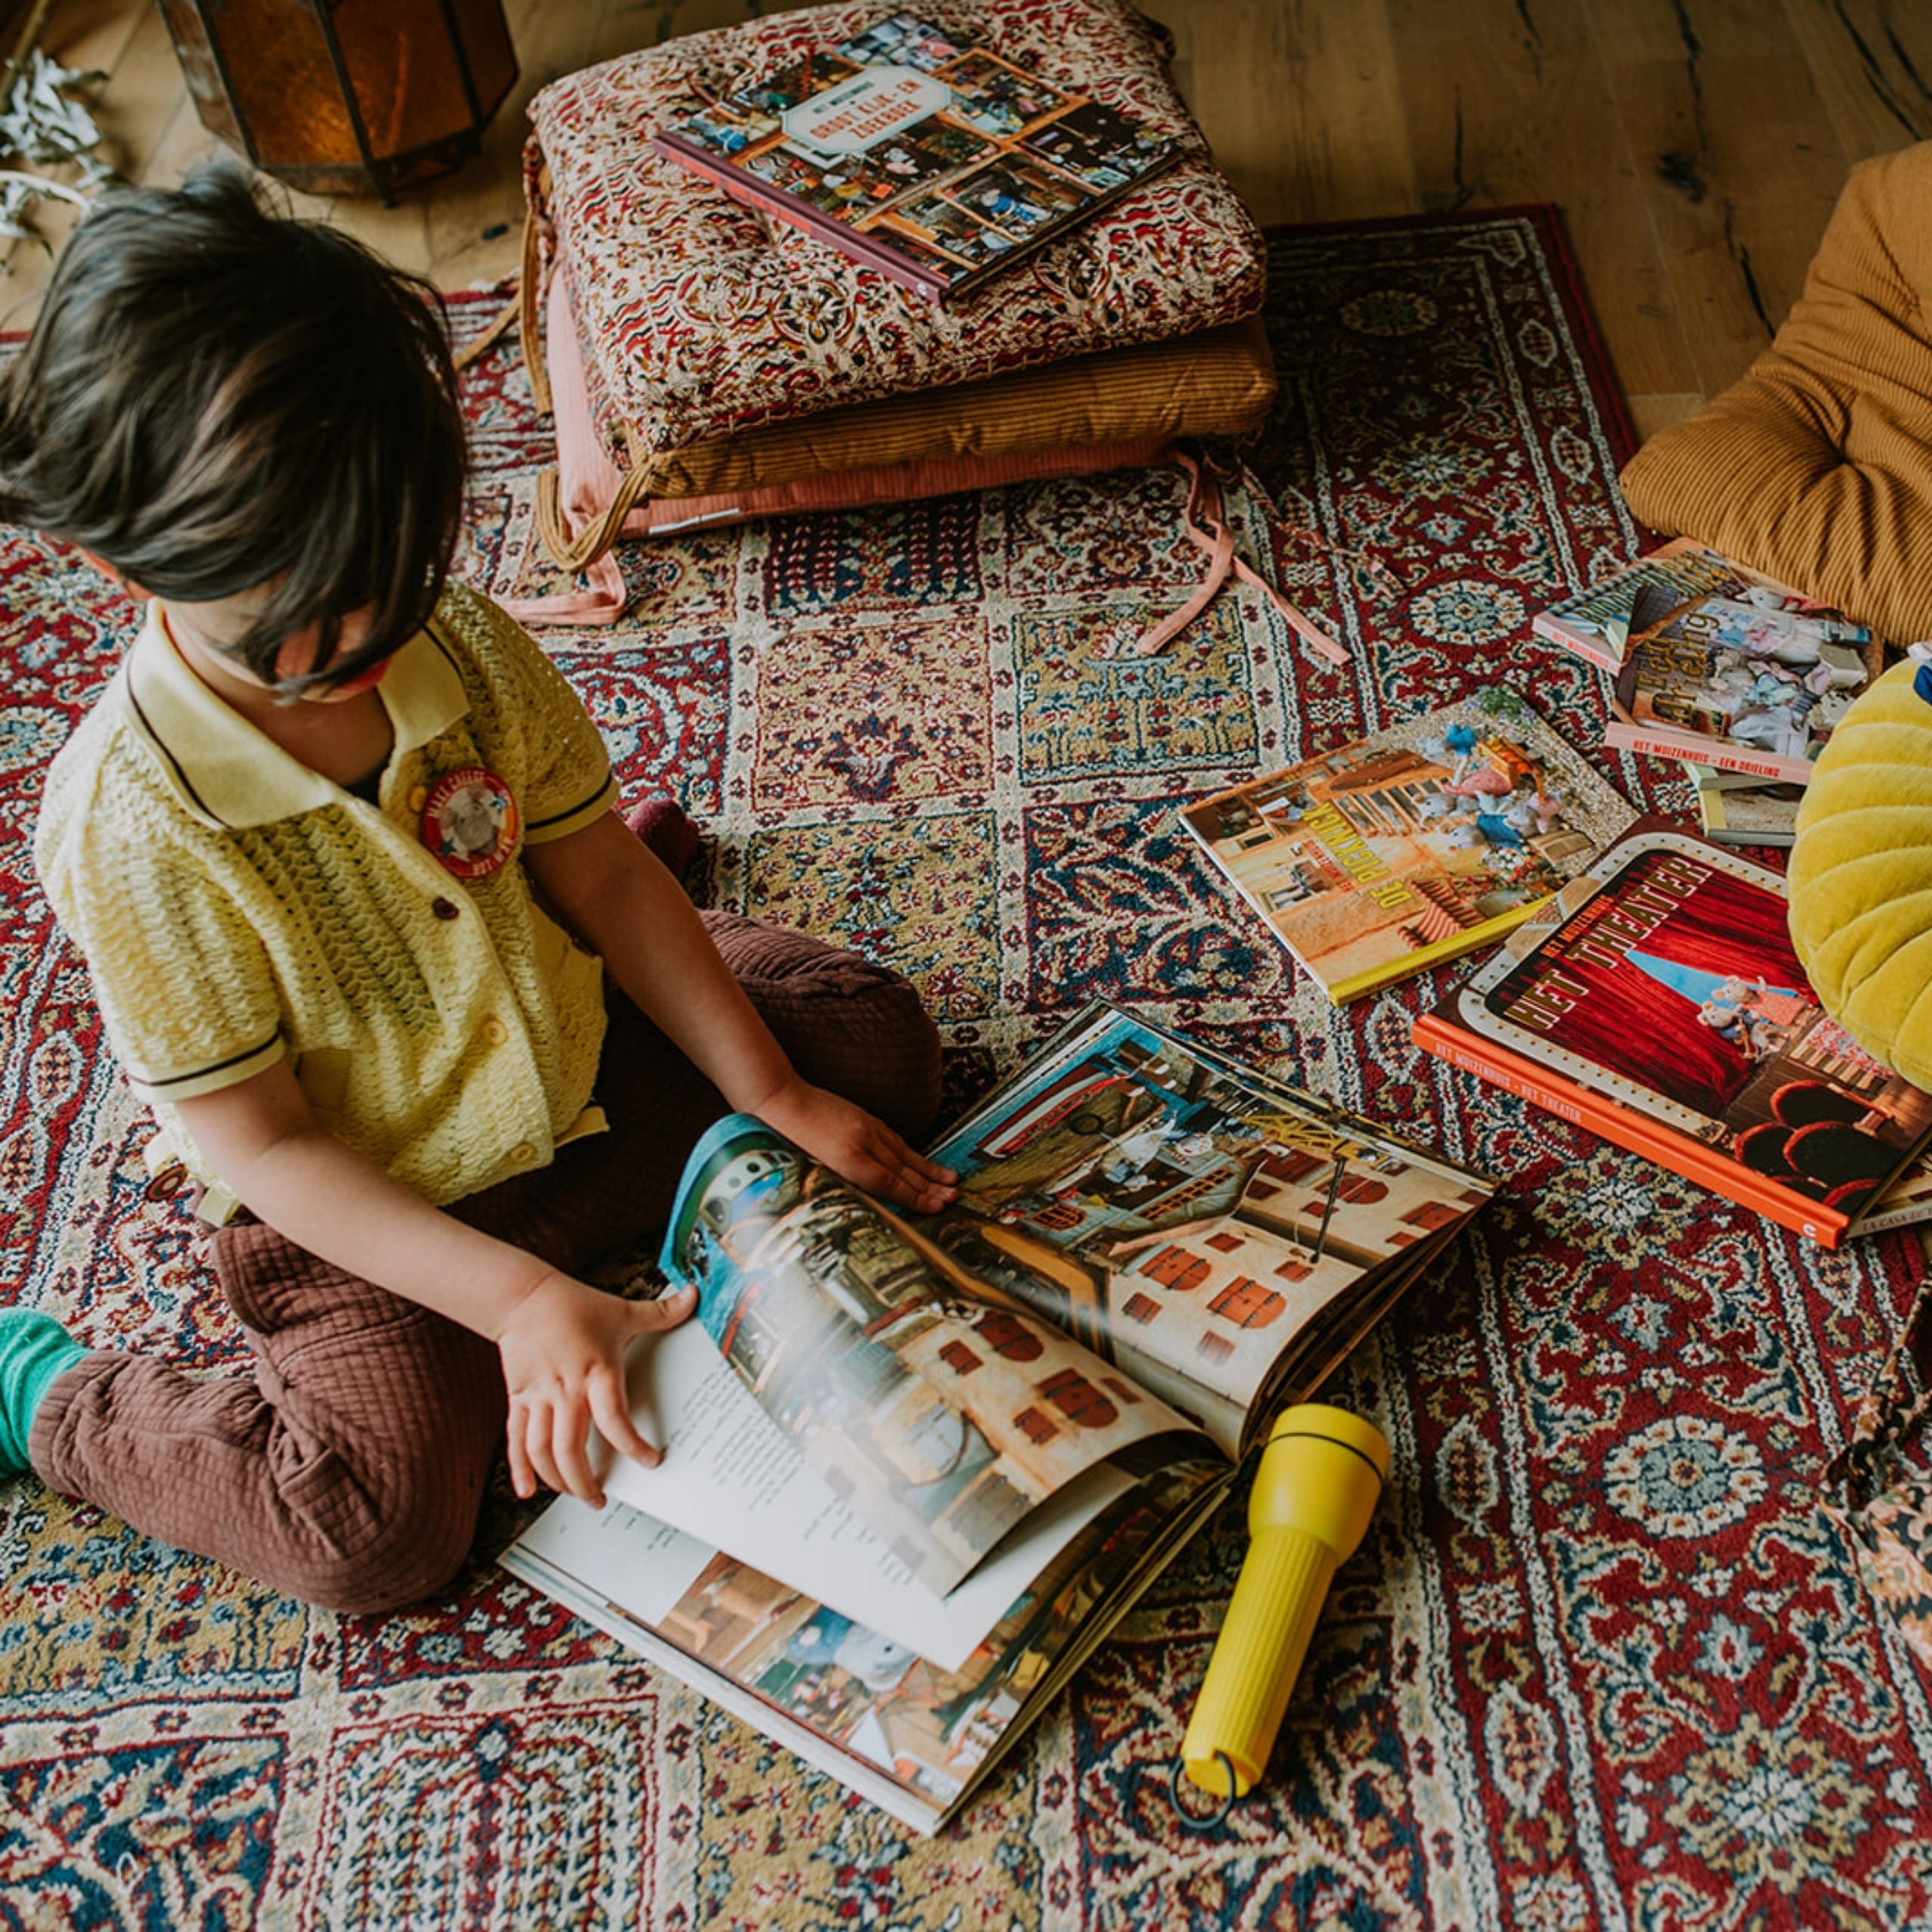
(348, 1469)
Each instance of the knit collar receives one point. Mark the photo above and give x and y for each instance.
(228, 773)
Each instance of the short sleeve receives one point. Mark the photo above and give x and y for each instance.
(183, 983)
(567, 782)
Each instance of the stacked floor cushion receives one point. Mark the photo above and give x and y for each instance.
(706, 362)
(1816, 468)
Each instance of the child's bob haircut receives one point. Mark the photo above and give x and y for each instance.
(215, 400)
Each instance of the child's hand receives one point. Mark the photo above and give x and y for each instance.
(858, 1147)
(563, 1349)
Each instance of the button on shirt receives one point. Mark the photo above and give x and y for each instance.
(236, 908)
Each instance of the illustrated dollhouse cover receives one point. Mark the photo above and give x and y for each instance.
(1659, 1003)
(922, 156)
(1414, 845)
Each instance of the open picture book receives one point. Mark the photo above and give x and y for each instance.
(915, 1467)
(1658, 1001)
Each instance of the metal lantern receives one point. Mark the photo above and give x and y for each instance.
(345, 97)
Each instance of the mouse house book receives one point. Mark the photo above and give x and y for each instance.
(1414, 845)
(1714, 664)
(923, 155)
(1660, 1004)
(916, 1467)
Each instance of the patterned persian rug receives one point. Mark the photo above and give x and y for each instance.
(1600, 1663)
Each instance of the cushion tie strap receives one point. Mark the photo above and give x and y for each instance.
(1204, 496)
(522, 310)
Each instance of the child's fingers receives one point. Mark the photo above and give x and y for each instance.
(532, 1432)
(668, 1311)
(613, 1415)
(570, 1449)
(907, 1175)
(523, 1471)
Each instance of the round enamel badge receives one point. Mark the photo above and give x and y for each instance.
(470, 822)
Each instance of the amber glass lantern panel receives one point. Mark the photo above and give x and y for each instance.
(358, 97)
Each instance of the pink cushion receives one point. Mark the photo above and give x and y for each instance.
(587, 480)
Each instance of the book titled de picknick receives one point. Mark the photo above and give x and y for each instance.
(925, 156)
(1419, 844)
(1658, 1002)
(917, 1467)
(1714, 664)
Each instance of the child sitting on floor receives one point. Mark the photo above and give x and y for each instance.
(338, 846)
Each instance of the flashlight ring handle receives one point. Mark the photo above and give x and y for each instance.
(1203, 1822)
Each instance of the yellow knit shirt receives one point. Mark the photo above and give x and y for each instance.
(235, 908)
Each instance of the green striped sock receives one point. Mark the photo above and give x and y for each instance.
(34, 1349)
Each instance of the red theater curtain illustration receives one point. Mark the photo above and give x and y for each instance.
(1633, 1025)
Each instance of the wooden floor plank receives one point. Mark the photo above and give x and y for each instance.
(1508, 102)
(1871, 62)
(475, 215)
(1739, 162)
(92, 35)
(1298, 100)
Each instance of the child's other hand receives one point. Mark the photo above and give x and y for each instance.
(858, 1147)
(563, 1349)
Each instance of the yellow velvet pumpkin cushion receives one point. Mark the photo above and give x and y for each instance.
(1860, 876)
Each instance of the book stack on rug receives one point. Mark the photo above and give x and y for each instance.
(1720, 667)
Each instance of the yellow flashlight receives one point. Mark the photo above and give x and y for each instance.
(1315, 1491)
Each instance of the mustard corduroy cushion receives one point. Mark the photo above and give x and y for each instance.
(1816, 467)
(1860, 877)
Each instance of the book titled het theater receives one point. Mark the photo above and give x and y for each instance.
(916, 1467)
(921, 154)
(1657, 1001)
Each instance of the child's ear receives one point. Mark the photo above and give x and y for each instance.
(115, 577)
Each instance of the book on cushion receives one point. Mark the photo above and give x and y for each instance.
(921, 154)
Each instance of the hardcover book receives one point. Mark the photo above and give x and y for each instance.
(1598, 622)
(1659, 1003)
(924, 156)
(1420, 843)
(1737, 813)
(1715, 664)
(916, 1467)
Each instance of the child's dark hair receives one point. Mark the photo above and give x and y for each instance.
(216, 398)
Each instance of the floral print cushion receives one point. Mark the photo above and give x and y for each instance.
(698, 318)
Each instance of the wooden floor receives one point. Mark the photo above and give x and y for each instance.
(1694, 146)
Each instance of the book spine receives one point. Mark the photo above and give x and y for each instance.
(1697, 749)
(1542, 1087)
(1911, 1214)
(1553, 631)
(862, 248)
